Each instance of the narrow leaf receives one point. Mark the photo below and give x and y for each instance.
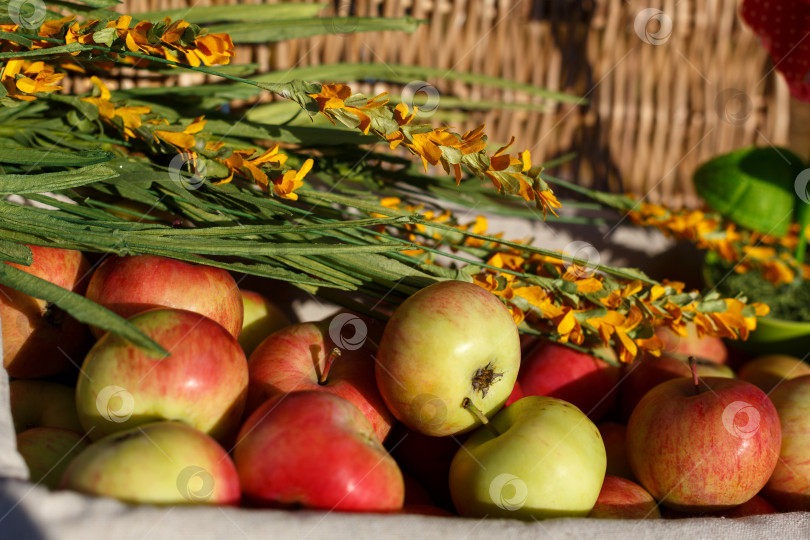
(16, 253)
(272, 31)
(79, 307)
(50, 158)
(245, 12)
(21, 184)
(50, 51)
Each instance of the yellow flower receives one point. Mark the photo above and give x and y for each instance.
(374, 103)
(174, 31)
(182, 139)
(211, 50)
(510, 261)
(470, 143)
(331, 96)
(44, 80)
(535, 295)
(568, 327)
(130, 116)
(334, 96)
(75, 34)
(490, 282)
(51, 28)
(479, 226)
(285, 185)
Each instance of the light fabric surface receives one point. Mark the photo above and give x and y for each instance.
(28, 511)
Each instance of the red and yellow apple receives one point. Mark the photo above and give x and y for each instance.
(621, 498)
(316, 450)
(554, 370)
(789, 486)
(302, 357)
(39, 339)
(706, 446)
(131, 285)
(769, 371)
(202, 382)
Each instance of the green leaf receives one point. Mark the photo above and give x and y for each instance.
(754, 187)
(15, 253)
(51, 51)
(21, 184)
(36, 157)
(14, 38)
(711, 306)
(282, 30)
(405, 74)
(107, 36)
(307, 135)
(229, 12)
(79, 307)
(100, 3)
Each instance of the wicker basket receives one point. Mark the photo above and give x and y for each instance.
(667, 83)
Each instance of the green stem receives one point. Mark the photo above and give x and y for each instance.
(157, 59)
(804, 221)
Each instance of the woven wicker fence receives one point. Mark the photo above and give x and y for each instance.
(665, 84)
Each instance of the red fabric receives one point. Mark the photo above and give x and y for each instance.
(783, 27)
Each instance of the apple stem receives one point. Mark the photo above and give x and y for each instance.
(327, 365)
(468, 404)
(693, 367)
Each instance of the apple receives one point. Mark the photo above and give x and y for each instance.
(789, 486)
(39, 339)
(517, 393)
(304, 357)
(769, 371)
(704, 348)
(202, 382)
(317, 450)
(703, 445)
(449, 341)
(621, 498)
(425, 458)
(36, 403)
(554, 370)
(541, 457)
(755, 506)
(130, 285)
(261, 317)
(614, 437)
(47, 451)
(156, 463)
(415, 493)
(649, 371)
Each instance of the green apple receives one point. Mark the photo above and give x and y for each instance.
(788, 488)
(768, 371)
(47, 451)
(541, 457)
(157, 463)
(261, 318)
(450, 341)
(37, 403)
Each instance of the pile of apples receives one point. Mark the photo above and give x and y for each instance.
(444, 411)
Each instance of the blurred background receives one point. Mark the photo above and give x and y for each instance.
(654, 87)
